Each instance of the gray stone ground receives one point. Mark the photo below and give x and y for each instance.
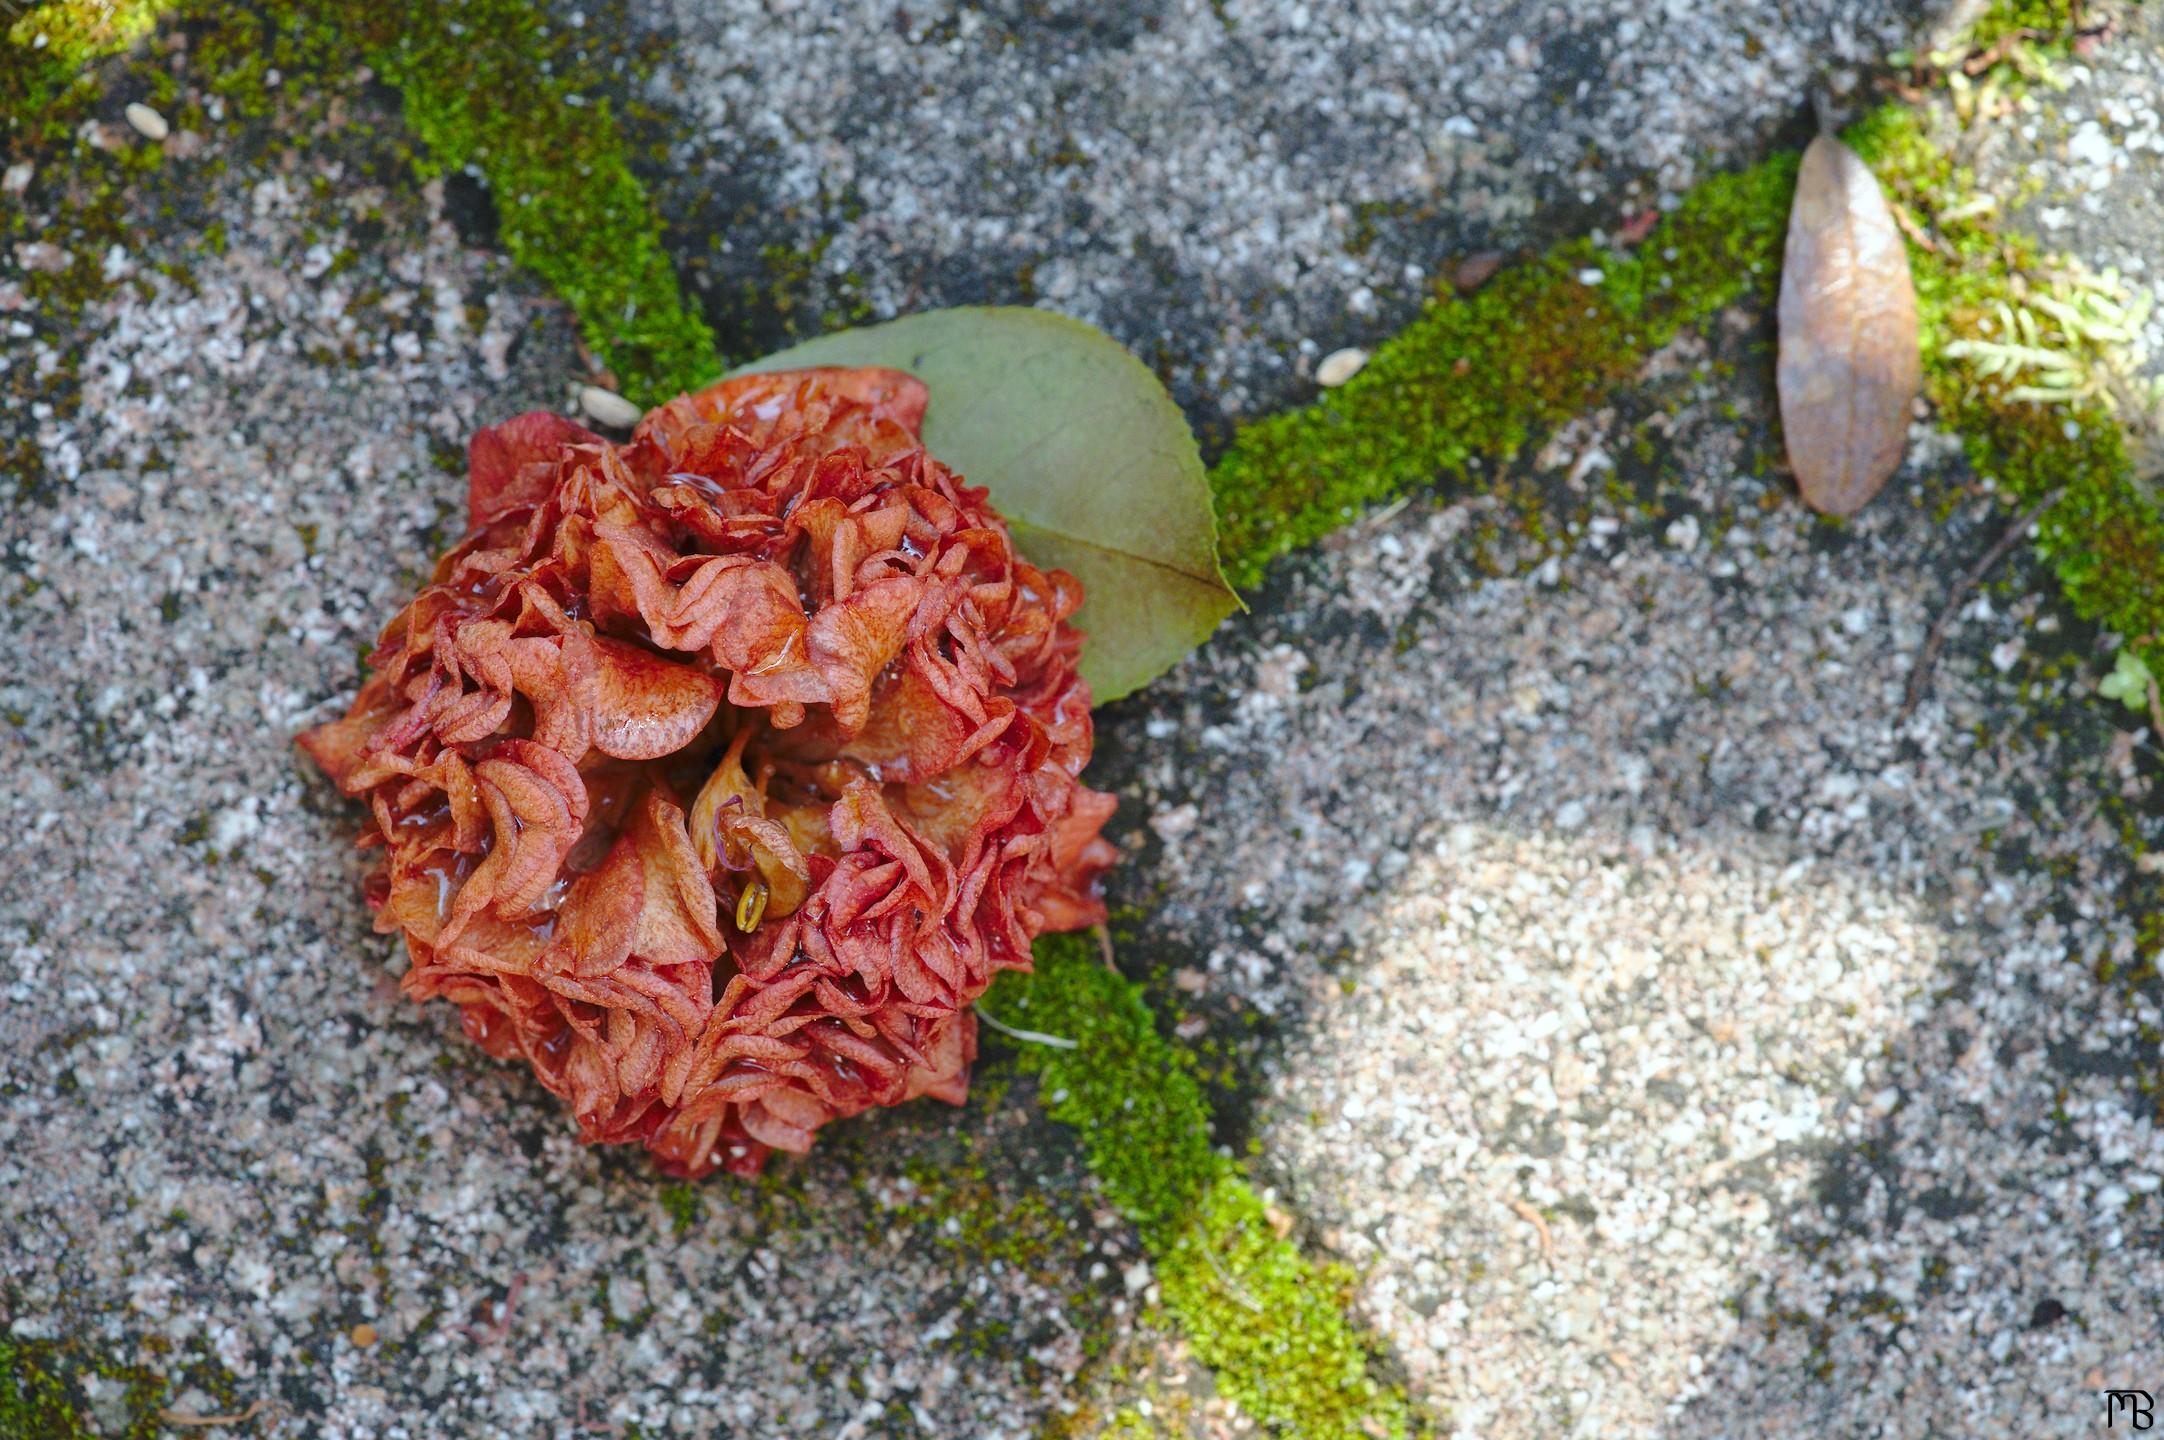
(1677, 1045)
(1233, 187)
(1667, 1044)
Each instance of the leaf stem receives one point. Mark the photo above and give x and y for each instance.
(1034, 1037)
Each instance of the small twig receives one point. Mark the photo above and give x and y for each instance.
(182, 1417)
(1998, 50)
(1104, 947)
(1034, 1037)
(1910, 228)
(1387, 514)
(1920, 675)
(499, 1330)
(1232, 1286)
(1534, 1218)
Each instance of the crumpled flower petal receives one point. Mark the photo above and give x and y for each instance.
(715, 775)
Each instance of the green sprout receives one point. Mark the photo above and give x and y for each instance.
(2129, 682)
(2079, 339)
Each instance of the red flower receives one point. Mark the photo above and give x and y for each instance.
(716, 774)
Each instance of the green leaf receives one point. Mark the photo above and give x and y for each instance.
(1084, 453)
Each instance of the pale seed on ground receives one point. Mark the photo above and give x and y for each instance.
(363, 1336)
(1339, 366)
(148, 123)
(42, 256)
(606, 407)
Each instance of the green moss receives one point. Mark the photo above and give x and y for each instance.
(44, 48)
(488, 85)
(71, 33)
(2105, 537)
(2040, 19)
(958, 1209)
(682, 1203)
(481, 90)
(1481, 377)
(1270, 1325)
(42, 1394)
(1131, 1425)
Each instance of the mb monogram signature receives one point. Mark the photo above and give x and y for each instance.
(2132, 1406)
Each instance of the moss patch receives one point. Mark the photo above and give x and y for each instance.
(480, 89)
(46, 1388)
(2105, 537)
(1270, 1325)
(2040, 19)
(1480, 377)
(489, 86)
(44, 48)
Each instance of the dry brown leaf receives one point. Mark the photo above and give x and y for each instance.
(1477, 270)
(1849, 366)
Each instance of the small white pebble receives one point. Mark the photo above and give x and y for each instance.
(2005, 656)
(17, 178)
(606, 407)
(1683, 533)
(1590, 276)
(148, 123)
(1339, 366)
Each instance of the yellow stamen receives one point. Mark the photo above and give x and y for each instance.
(751, 906)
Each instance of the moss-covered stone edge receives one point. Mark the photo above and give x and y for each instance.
(570, 207)
(486, 85)
(2104, 537)
(1271, 1326)
(42, 1396)
(44, 49)
(1479, 377)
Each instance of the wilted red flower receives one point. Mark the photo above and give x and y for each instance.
(716, 774)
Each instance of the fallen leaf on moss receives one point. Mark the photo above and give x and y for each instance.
(1083, 452)
(1849, 367)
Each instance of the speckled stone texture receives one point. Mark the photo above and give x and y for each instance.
(1235, 189)
(1677, 1045)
